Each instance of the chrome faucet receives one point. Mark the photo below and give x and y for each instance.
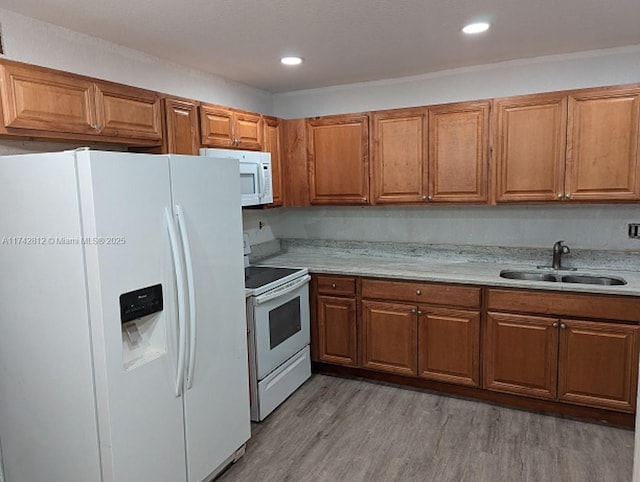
(558, 250)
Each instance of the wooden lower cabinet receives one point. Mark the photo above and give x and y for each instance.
(389, 334)
(449, 345)
(598, 364)
(521, 354)
(337, 330)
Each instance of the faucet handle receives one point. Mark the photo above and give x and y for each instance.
(565, 249)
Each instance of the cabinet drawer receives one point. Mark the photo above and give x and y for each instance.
(611, 307)
(436, 294)
(337, 285)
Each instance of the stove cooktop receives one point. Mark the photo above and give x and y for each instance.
(257, 276)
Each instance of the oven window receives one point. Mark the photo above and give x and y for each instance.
(284, 322)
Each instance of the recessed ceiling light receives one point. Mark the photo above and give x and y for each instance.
(476, 27)
(291, 60)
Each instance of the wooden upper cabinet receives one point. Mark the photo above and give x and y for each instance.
(458, 152)
(273, 144)
(602, 145)
(182, 135)
(529, 147)
(295, 173)
(398, 156)
(123, 111)
(338, 150)
(40, 99)
(230, 129)
(48, 103)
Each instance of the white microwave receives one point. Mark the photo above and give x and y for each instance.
(255, 174)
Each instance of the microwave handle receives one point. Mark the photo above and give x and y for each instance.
(277, 293)
(261, 179)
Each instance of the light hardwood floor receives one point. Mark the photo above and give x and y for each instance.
(336, 429)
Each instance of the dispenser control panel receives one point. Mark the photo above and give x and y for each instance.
(139, 303)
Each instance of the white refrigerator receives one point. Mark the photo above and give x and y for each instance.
(123, 349)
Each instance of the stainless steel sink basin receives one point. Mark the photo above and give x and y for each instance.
(556, 277)
(593, 280)
(528, 276)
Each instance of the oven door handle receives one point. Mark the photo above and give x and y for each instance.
(278, 293)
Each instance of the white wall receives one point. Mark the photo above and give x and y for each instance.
(35, 42)
(542, 74)
(586, 227)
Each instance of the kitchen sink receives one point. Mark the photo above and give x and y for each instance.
(528, 276)
(556, 278)
(593, 280)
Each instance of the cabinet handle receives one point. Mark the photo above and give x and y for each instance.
(555, 325)
(563, 326)
(567, 196)
(333, 285)
(418, 292)
(559, 195)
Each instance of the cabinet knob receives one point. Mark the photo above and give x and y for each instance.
(418, 292)
(413, 310)
(424, 198)
(563, 326)
(567, 196)
(555, 325)
(333, 285)
(364, 199)
(96, 126)
(559, 195)
(430, 198)
(419, 312)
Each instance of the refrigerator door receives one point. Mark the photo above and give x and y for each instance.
(123, 199)
(207, 192)
(48, 426)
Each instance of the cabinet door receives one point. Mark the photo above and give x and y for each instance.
(602, 146)
(458, 152)
(398, 158)
(530, 148)
(247, 131)
(216, 127)
(126, 112)
(39, 99)
(598, 364)
(449, 345)
(389, 337)
(337, 330)
(182, 126)
(521, 354)
(273, 144)
(338, 159)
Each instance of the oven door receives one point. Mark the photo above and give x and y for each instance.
(281, 324)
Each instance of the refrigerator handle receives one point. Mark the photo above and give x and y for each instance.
(177, 262)
(192, 294)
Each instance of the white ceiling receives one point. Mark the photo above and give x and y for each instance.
(342, 41)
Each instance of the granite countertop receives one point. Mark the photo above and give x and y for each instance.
(455, 264)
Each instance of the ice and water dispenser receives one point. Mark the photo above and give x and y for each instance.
(143, 330)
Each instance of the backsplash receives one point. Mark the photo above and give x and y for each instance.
(592, 227)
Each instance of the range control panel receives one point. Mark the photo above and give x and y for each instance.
(139, 303)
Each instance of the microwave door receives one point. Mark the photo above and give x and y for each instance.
(249, 183)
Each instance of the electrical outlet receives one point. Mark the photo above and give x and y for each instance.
(634, 230)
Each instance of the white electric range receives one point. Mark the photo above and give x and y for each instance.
(278, 335)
